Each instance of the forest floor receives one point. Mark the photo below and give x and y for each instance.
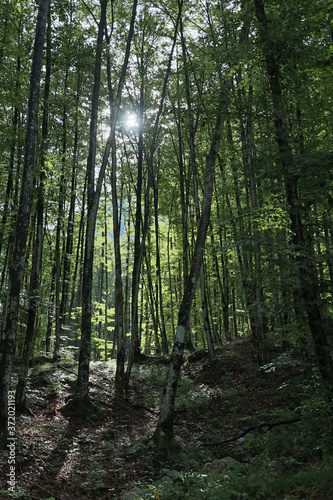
(232, 400)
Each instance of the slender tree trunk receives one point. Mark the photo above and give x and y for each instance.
(106, 278)
(82, 387)
(204, 304)
(224, 279)
(192, 131)
(63, 313)
(45, 131)
(222, 287)
(138, 210)
(119, 297)
(33, 299)
(151, 297)
(50, 313)
(137, 270)
(165, 348)
(78, 258)
(111, 143)
(164, 430)
(245, 259)
(170, 279)
(247, 154)
(16, 267)
(10, 182)
(60, 231)
(126, 326)
(9, 186)
(234, 315)
(184, 185)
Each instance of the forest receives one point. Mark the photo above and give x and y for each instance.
(166, 207)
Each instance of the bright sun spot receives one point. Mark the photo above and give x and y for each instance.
(131, 121)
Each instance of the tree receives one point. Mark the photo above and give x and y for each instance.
(152, 149)
(164, 430)
(82, 388)
(16, 267)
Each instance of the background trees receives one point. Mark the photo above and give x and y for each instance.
(269, 234)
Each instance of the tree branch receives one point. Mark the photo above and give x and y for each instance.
(90, 12)
(255, 428)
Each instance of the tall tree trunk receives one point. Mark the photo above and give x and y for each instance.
(45, 132)
(164, 430)
(224, 279)
(252, 201)
(137, 270)
(151, 297)
(10, 182)
(60, 231)
(170, 278)
(33, 299)
(106, 278)
(184, 185)
(16, 267)
(119, 296)
(138, 211)
(63, 313)
(9, 186)
(158, 292)
(78, 258)
(111, 143)
(82, 387)
(192, 132)
(222, 285)
(245, 258)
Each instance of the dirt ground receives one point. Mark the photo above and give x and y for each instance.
(68, 458)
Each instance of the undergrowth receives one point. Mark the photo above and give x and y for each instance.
(288, 461)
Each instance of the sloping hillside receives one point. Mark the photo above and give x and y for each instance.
(240, 432)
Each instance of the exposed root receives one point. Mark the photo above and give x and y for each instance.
(85, 408)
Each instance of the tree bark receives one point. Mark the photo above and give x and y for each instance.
(16, 267)
(164, 431)
(82, 385)
(134, 333)
(138, 210)
(158, 293)
(106, 277)
(82, 388)
(60, 230)
(33, 299)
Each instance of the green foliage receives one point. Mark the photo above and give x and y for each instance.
(283, 360)
(259, 217)
(263, 484)
(20, 493)
(251, 260)
(317, 419)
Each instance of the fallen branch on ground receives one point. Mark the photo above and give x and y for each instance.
(66, 369)
(264, 425)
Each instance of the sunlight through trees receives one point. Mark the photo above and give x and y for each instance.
(166, 185)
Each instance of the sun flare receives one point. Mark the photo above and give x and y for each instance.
(131, 121)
